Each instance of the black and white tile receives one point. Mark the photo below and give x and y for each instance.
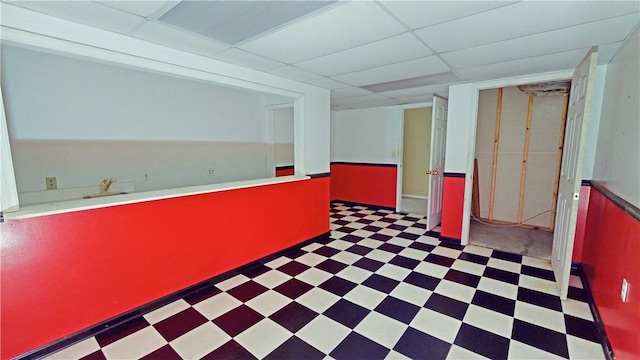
(376, 288)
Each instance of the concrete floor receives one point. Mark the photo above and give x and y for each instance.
(516, 240)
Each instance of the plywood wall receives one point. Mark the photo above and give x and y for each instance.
(536, 194)
(416, 152)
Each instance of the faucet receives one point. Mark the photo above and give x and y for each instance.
(104, 185)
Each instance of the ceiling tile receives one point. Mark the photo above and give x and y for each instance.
(524, 18)
(292, 72)
(327, 83)
(348, 92)
(142, 8)
(534, 65)
(575, 37)
(168, 36)
(339, 28)
(246, 59)
(418, 14)
(87, 13)
(394, 49)
(403, 70)
(415, 92)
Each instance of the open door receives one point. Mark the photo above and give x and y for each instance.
(571, 170)
(438, 137)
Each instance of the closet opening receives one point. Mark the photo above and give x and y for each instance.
(518, 156)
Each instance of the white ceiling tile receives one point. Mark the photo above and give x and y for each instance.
(339, 28)
(168, 36)
(348, 92)
(87, 13)
(575, 37)
(398, 71)
(327, 83)
(142, 8)
(524, 18)
(414, 92)
(428, 97)
(394, 49)
(417, 14)
(534, 65)
(246, 59)
(292, 72)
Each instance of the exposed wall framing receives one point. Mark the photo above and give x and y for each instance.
(518, 150)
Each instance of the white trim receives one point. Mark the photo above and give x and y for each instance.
(475, 88)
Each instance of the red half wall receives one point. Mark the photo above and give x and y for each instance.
(610, 253)
(63, 273)
(373, 184)
(452, 207)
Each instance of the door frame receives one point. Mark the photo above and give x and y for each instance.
(476, 87)
(400, 161)
(269, 111)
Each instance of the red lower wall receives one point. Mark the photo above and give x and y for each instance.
(63, 273)
(285, 171)
(452, 207)
(364, 183)
(581, 224)
(610, 253)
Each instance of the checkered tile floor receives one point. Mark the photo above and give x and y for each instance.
(376, 288)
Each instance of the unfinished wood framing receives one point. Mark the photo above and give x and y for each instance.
(496, 144)
(525, 154)
(475, 196)
(563, 122)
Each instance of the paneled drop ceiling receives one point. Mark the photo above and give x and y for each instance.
(371, 53)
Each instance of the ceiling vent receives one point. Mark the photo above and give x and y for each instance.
(232, 22)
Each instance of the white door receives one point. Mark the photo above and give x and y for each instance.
(438, 136)
(571, 173)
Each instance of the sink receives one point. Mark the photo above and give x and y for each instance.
(104, 194)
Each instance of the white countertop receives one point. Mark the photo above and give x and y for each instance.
(30, 211)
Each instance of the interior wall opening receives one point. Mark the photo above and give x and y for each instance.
(416, 160)
(518, 154)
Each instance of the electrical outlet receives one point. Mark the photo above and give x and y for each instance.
(211, 172)
(52, 183)
(624, 293)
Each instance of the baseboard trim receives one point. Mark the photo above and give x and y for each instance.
(450, 239)
(371, 206)
(577, 268)
(94, 330)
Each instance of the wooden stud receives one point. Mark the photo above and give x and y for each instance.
(496, 143)
(563, 123)
(525, 156)
(475, 196)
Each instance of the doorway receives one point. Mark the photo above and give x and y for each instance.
(416, 154)
(518, 154)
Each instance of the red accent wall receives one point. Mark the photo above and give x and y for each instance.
(63, 273)
(610, 253)
(583, 206)
(452, 207)
(367, 184)
(284, 172)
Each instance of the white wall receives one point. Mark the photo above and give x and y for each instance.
(366, 135)
(34, 30)
(82, 121)
(617, 157)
